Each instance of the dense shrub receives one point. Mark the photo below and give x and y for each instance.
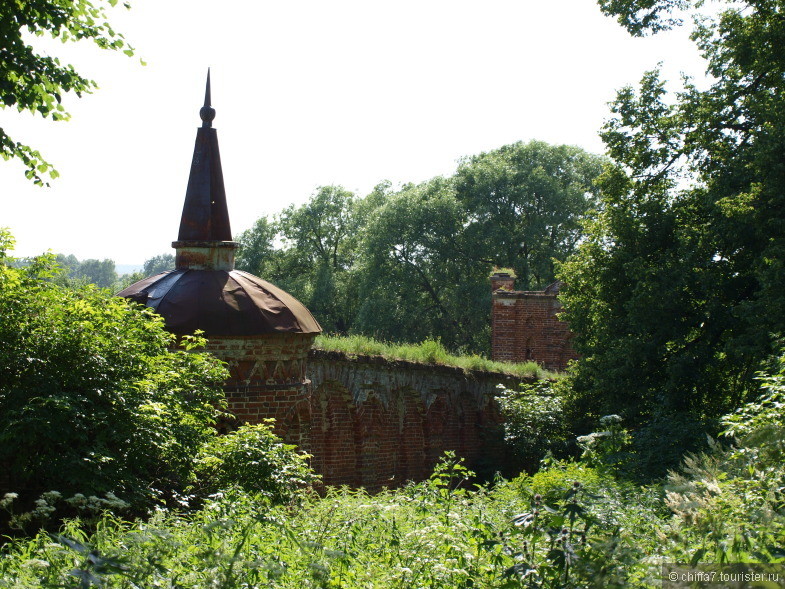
(437, 534)
(534, 421)
(256, 460)
(567, 526)
(759, 426)
(660, 445)
(92, 399)
(608, 449)
(730, 502)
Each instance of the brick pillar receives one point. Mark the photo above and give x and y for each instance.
(267, 380)
(502, 317)
(502, 280)
(525, 326)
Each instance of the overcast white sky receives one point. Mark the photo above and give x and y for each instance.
(310, 93)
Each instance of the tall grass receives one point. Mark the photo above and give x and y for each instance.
(428, 352)
(437, 534)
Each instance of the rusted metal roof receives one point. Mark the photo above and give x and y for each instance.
(218, 302)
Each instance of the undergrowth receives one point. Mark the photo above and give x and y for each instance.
(438, 534)
(569, 525)
(572, 525)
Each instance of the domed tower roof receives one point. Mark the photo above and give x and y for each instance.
(205, 291)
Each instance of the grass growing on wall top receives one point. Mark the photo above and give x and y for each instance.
(428, 352)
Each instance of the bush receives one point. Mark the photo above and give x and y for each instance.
(759, 426)
(728, 503)
(555, 479)
(534, 421)
(92, 399)
(607, 449)
(256, 460)
(661, 445)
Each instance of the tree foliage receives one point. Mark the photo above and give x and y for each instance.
(420, 278)
(676, 294)
(640, 17)
(322, 229)
(158, 264)
(309, 251)
(413, 263)
(568, 525)
(33, 81)
(524, 203)
(257, 253)
(92, 400)
(102, 273)
(534, 422)
(99, 272)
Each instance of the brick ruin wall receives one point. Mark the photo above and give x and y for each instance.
(525, 327)
(366, 421)
(379, 423)
(267, 379)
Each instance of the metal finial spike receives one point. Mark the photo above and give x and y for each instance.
(207, 90)
(207, 112)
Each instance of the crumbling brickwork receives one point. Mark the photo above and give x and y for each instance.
(367, 422)
(525, 325)
(379, 423)
(267, 380)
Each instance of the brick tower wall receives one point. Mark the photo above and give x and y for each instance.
(525, 327)
(267, 379)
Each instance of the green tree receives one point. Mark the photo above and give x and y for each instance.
(419, 275)
(310, 251)
(323, 228)
(33, 81)
(102, 273)
(676, 295)
(640, 17)
(92, 399)
(69, 263)
(158, 264)
(99, 272)
(264, 253)
(258, 253)
(322, 242)
(524, 204)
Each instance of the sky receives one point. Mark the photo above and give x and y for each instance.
(309, 93)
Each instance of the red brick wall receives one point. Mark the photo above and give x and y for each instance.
(377, 423)
(525, 327)
(367, 422)
(267, 380)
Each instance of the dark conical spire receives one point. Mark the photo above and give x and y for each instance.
(205, 215)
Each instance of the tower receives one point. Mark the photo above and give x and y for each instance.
(261, 332)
